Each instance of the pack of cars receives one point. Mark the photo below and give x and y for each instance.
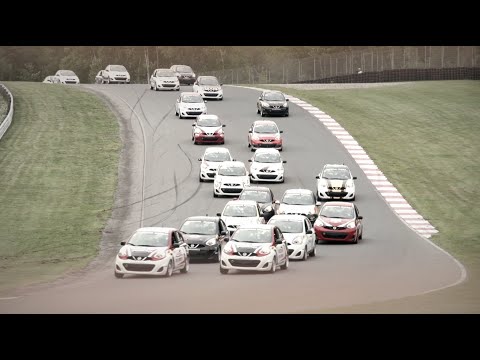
(255, 231)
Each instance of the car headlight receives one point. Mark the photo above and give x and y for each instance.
(298, 240)
(228, 249)
(323, 183)
(122, 256)
(246, 182)
(277, 137)
(285, 104)
(280, 211)
(264, 251)
(351, 225)
(197, 131)
(158, 256)
(319, 222)
(194, 75)
(211, 242)
(350, 184)
(220, 132)
(204, 166)
(265, 104)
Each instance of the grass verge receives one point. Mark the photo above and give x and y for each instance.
(58, 170)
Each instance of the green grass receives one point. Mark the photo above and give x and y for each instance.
(58, 170)
(424, 136)
(3, 108)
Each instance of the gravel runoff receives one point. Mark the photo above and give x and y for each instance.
(335, 86)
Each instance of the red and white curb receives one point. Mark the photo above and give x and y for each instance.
(391, 195)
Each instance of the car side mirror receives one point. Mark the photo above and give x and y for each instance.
(317, 177)
(277, 202)
(219, 214)
(354, 178)
(260, 98)
(249, 131)
(278, 242)
(205, 101)
(267, 209)
(281, 131)
(318, 203)
(360, 218)
(284, 161)
(199, 159)
(194, 124)
(287, 99)
(176, 245)
(123, 243)
(249, 160)
(309, 231)
(223, 125)
(223, 232)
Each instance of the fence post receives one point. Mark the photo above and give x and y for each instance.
(299, 69)
(371, 67)
(443, 53)
(393, 58)
(346, 64)
(314, 70)
(336, 66)
(458, 56)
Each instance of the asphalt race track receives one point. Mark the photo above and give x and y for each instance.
(159, 186)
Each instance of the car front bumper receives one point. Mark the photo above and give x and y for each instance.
(296, 251)
(209, 139)
(277, 144)
(135, 267)
(325, 194)
(275, 111)
(251, 263)
(326, 234)
(266, 176)
(168, 86)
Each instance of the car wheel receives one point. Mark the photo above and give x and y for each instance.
(355, 239)
(361, 235)
(187, 266)
(151, 87)
(223, 271)
(118, 275)
(214, 194)
(169, 269)
(178, 89)
(274, 265)
(286, 114)
(305, 254)
(219, 254)
(287, 263)
(258, 111)
(313, 253)
(261, 113)
(318, 198)
(200, 178)
(180, 116)
(222, 143)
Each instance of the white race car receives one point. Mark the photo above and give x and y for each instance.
(116, 74)
(211, 160)
(258, 247)
(50, 80)
(298, 232)
(335, 182)
(208, 87)
(66, 77)
(153, 251)
(267, 165)
(241, 212)
(190, 104)
(164, 79)
(299, 202)
(231, 179)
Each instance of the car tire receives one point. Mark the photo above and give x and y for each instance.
(313, 253)
(361, 235)
(151, 87)
(261, 113)
(287, 263)
(286, 115)
(118, 275)
(169, 269)
(258, 111)
(355, 239)
(274, 266)
(186, 267)
(200, 179)
(215, 195)
(219, 255)
(223, 271)
(305, 254)
(180, 116)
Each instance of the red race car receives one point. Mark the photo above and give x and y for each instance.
(339, 221)
(208, 129)
(265, 134)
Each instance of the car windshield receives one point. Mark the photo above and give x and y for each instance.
(184, 69)
(336, 174)
(209, 122)
(152, 239)
(192, 99)
(339, 212)
(298, 199)
(266, 129)
(259, 196)
(217, 156)
(165, 73)
(288, 226)
(67, 73)
(253, 235)
(208, 81)
(199, 227)
(240, 210)
(232, 171)
(118, 68)
(274, 96)
(267, 158)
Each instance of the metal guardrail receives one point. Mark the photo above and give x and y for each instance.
(5, 123)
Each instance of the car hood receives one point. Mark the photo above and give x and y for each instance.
(296, 209)
(167, 78)
(196, 238)
(141, 251)
(290, 236)
(209, 129)
(266, 167)
(200, 105)
(335, 183)
(236, 220)
(231, 179)
(273, 103)
(212, 164)
(335, 221)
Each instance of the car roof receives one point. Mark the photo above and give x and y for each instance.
(289, 217)
(156, 229)
(256, 188)
(272, 91)
(256, 226)
(206, 76)
(241, 202)
(337, 203)
(189, 93)
(207, 116)
(232, 163)
(216, 149)
(298, 191)
(335, 166)
(264, 122)
(203, 218)
(267, 150)
(162, 69)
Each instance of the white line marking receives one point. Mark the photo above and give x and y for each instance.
(406, 211)
(367, 166)
(10, 298)
(390, 194)
(401, 206)
(353, 147)
(360, 156)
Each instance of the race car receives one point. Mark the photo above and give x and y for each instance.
(211, 160)
(335, 182)
(265, 134)
(267, 165)
(231, 179)
(208, 129)
(190, 104)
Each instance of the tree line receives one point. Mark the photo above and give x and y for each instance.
(34, 63)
